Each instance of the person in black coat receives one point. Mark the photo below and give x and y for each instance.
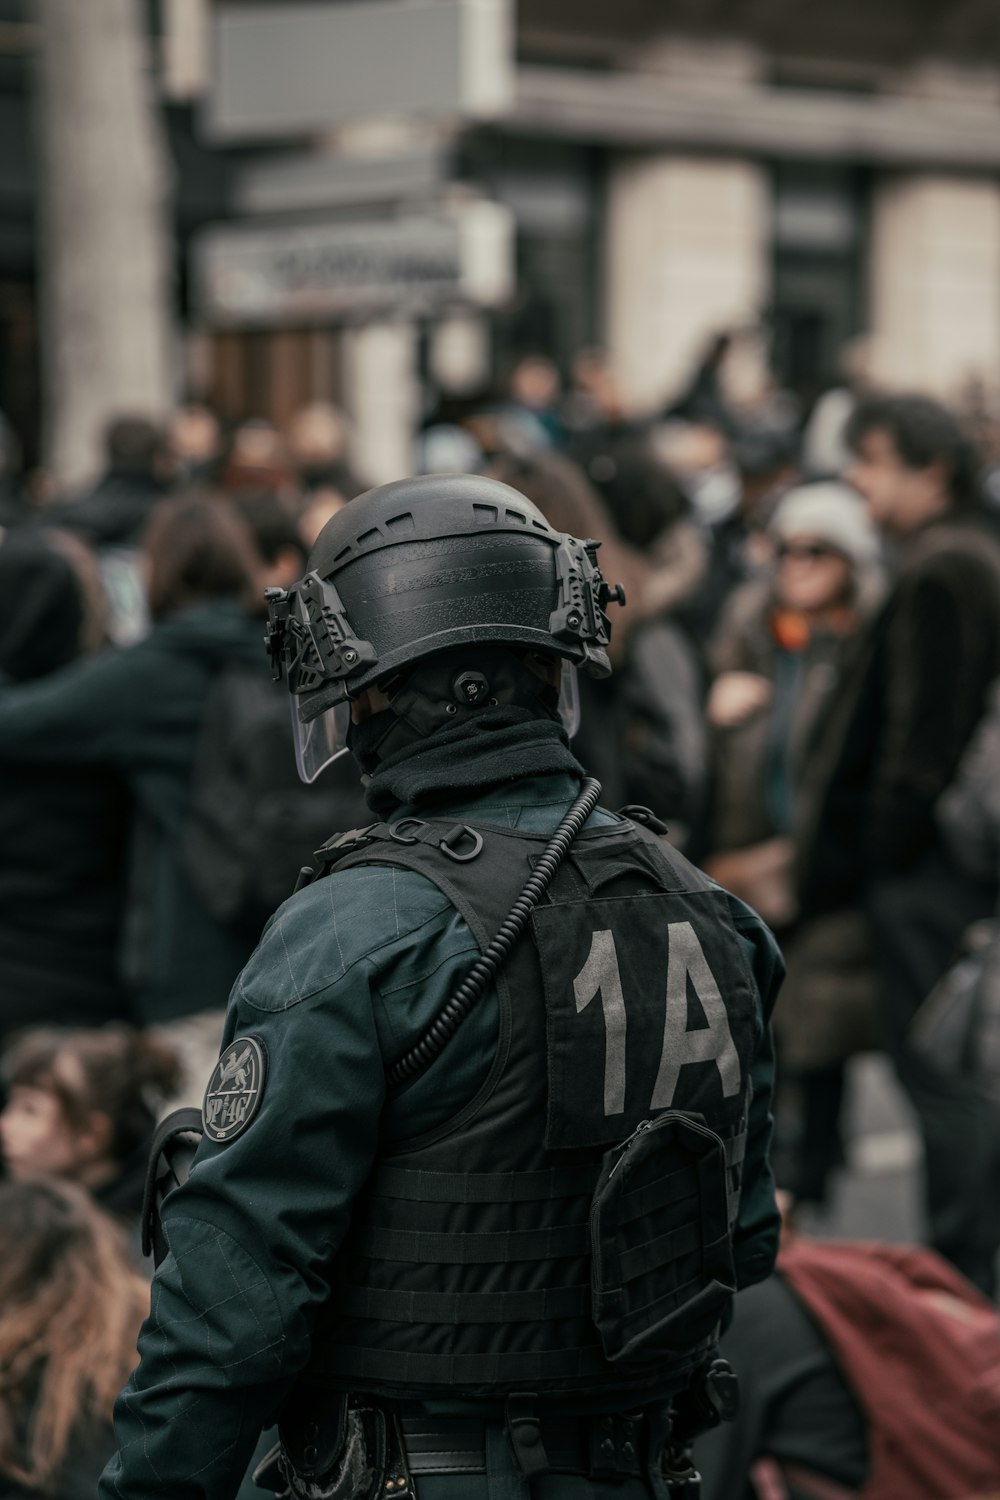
(62, 839)
(910, 699)
(115, 512)
(138, 712)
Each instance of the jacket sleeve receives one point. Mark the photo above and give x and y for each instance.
(968, 813)
(253, 1231)
(755, 1247)
(927, 702)
(75, 716)
(663, 753)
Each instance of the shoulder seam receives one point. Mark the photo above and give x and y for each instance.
(344, 970)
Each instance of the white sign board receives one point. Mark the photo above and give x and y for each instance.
(340, 271)
(292, 69)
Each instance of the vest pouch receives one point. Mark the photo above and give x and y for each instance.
(662, 1266)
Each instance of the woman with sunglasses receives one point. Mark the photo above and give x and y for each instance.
(777, 657)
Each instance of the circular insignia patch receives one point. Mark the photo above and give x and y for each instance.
(235, 1089)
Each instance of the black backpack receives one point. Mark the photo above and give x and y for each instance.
(251, 823)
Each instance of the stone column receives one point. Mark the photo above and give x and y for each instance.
(687, 254)
(381, 397)
(935, 282)
(105, 247)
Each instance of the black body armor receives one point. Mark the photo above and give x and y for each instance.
(569, 1230)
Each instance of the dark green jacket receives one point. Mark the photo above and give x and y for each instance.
(140, 710)
(346, 977)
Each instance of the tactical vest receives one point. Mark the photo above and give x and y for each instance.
(570, 1230)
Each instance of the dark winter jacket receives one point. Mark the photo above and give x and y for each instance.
(115, 512)
(641, 729)
(63, 838)
(911, 697)
(757, 765)
(63, 846)
(140, 710)
(762, 797)
(969, 812)
(969, 818)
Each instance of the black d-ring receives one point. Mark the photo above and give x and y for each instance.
(403, 838)
(455, 836)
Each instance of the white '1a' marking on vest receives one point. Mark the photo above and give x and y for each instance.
(713, 1043)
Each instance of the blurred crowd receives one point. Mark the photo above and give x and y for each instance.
(806, 691)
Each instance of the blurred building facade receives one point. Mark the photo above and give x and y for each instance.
(636, 175)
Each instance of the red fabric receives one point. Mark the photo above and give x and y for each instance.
(920, 1349)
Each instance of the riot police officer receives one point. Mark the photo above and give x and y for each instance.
(485, 1152)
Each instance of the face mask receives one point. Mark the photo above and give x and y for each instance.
(367, 741)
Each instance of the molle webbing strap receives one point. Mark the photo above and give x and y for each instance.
(418, 1186)
(482, 1187)
(545, 1305)
(643, 1259)
(429, 1247)
(673, 1188)
(669, 1300)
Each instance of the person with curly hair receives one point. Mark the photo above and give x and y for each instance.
(82, 1106)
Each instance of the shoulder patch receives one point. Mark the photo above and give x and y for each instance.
(235, 1089)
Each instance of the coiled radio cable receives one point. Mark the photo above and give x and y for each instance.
(443, 1028)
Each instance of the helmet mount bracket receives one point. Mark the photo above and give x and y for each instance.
(309, 637)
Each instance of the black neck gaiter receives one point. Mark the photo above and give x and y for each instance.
(499, 745)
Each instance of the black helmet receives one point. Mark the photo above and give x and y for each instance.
(422, 567)
(427, 564)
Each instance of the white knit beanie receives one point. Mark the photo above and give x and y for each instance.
(832, 513)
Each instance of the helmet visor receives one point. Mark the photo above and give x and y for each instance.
(569, 699)
(322, 740)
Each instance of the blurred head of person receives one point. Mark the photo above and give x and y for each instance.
(54, 604)
(744, 370)
(258, 457)
(195, 439)
(534, 382)
(912, 462)
(70, 1311)
(595, 380)
(826, 549)
(641, 492)
(854, 361)
(273, 520)
(135, 445)
(448, 448)
(198, 548)
(689, 448)
(317, 440)
(697, 452)
(766, 461)
(81, 1103)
